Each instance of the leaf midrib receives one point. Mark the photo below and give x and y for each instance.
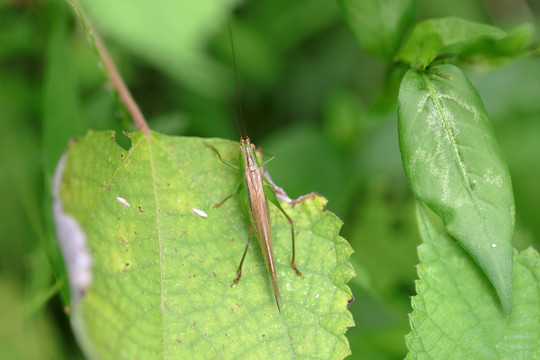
(158, 225)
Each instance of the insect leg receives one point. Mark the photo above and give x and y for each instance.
(263, 163)
(236, 190)
(239, 270)
(271, 196)
(220, 158)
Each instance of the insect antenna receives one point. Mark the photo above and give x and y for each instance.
(228, 98)
(238, 119)
(239, 103)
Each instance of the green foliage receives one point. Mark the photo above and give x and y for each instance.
(164, 258)
(455, 166)
(457, 316)
(312, 95)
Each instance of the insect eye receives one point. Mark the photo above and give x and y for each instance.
(252, 146)
(239, 149)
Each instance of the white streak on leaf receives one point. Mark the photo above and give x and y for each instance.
(451, 95)
(492, 179)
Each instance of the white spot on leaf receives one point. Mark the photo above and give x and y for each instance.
(199, 212)
(122, 201)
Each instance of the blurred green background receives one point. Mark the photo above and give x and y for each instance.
(310, 96)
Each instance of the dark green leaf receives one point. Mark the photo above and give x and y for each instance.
(450, 35)
(378, 25)
(455, 166)
(60, 92)
(498, 51)
(61, 118)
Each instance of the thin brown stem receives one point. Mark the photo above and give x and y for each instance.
(112, 72)
(118, 83)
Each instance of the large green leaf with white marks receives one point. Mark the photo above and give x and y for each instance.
(456, 314)
(455, 166)
(163, 259)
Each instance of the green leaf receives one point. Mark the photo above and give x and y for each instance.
(456, 315)
(166, 33)
(450, 35)
(498, 51)
(378, 25)
(455, 166)
(162, 270)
